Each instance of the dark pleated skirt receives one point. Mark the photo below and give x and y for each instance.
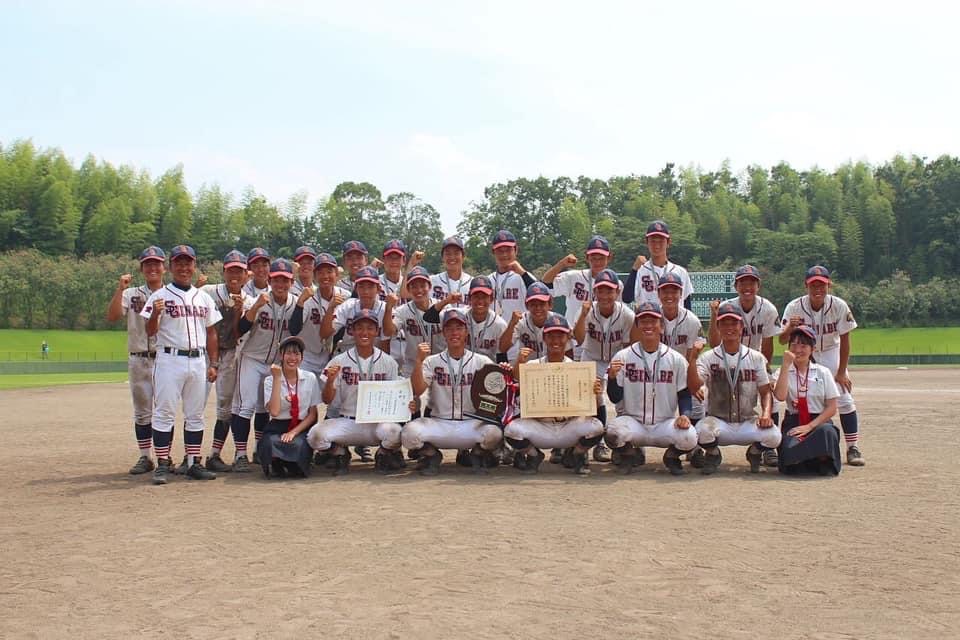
(818, 454)
(283, 459)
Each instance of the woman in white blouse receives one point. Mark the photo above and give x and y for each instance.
(292, 396)
(811, 442)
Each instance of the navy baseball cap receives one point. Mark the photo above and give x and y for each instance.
(182, 250)
(538, 291)
(503, 238)
(418, 273)
(806, 330)
(452, 241)
(648, 309)
(747, 271)
(607, 278)
(481, 284)
(366, 274)
(453, 314)
(556, 322)
(297, 340)
(304, 252)
(152, 253)
(257, 254)
(658, 228)
(818, 273)
(281, 267)
(234, 259)
(354, 245)
(728, 310)
(325, 259)
(598, 244)
(365, 314)
(670, 280)
(395, 246)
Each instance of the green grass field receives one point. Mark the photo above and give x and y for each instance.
(24, 344)
(913, 340)
(55, 379)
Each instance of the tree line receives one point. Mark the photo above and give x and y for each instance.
(895, 222)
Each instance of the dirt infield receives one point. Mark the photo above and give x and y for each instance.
(90, 552)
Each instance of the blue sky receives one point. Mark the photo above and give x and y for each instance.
(444, 98)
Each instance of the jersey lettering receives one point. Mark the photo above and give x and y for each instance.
(136, 303)
(634, 373)
(746, 375)
(442, 378)
(647, 283)
(352, 377)
(175, 310)
(580, 292)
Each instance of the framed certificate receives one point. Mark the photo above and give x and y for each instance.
(384, 401)
(557, 389)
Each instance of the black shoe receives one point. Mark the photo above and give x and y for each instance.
(364, 453)
(463, 458)
(143, 465)
(854, 457)
(277, 469)
(672, 462)
(162, 472)
(771, 458)
(385, 461)
(521, 461)
(342, 464)
(755, 458)
(711, 462)
(567, 459)
(478, 462)
(581, 465)
(321, 458)
(182, 469)
(216, 464)
(397, 461)
(197, 472)
(430, 465)
(640, 457)
(696, 458)
(504, 456)
(241, 464)
(601, 453)
(556, 456)
(533, 462)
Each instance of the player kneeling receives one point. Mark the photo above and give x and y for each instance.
(291, 392)
(528, 435)
(449, 376)
(736, 377)
(343, 375)
(650, 380)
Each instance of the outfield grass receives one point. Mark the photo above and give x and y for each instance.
(17, 381)
(913, 340)
(24, 344)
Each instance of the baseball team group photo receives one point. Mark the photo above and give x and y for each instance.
(427, 320)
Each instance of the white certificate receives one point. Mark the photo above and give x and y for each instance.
(557, 389)
(384, 401)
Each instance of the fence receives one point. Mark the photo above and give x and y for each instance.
(63, 356)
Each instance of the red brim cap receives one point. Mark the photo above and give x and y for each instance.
(284, 274)
(373, 280)
(158, 259)
(612, 285)
(545, 298)
(735, 316)
(602, 252)
(504, 244)
(242, 265)
(485, 290)
(649, 313)
(658, 233)
(306, 255)
(747, 275)
(820, 278)
(664, 285)
(415, 278)
(250, 262)
(550, 329)
(394, 250)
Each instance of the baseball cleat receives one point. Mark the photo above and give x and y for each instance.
(143, 465)
(771, 458)
(556, 455)
(364, 453)
(430, 465)
(533, 462)
(216, 464)
(755, 458)
(463, 458)
(320, 458)
(696, 458)
(581, 466)
(197, 472)
(711, 462)
(601, 453)
(162, 472)
(673, 463)
(640, 457)
(854, 457)
(504, 456)
(342, 464)
(478, 462)
(182, 468)
(241, 465)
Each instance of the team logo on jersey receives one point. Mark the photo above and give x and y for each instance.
(647, 283)
(613, 336)
(264, 321)
(175, 310)
(413, 328)
(136, 303)
(634, 373)
(352, 377)
(528, 341)
(512, 293)
(681, 339)
(580, 292)
(483, 344)
(746, 375)
(444, 379)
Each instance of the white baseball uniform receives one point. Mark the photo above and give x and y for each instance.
(252, 290)
(343, 319)
(442, 284)
(261, 348)
(345, 431)
(679, 334)
(832, 320)
(483, 337)
(509, 292)
(449, 382)
(142, 355)
(762, 321)
(180, 373)
(416, 330)
(648, 279)
(317, 351)
(388, 286)
(553, 433)
(605, 335)
(229, 343)
(527, 334)
(733, 384)
(345, 283)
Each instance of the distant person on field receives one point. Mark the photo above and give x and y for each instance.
(44, 350)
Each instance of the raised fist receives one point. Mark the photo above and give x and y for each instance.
(516, 317)
(788, 359)
(714, 305)
(306, 294)
(697, 347)
(276, 370)
(570, 260)
(614, 369)
(517, 268)
(125, 280)
(794, 322)
(332, 372)
(423, 350)
(416, 258)
(338, 300)
(454, 297)
(262, 299)
(158, 308)
(587, 305)
(236, 300)
(376, 263)
(524, 354)
(639, 262)
(392, 300)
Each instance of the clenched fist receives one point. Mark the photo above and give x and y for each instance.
(276, 370)
(305, 295)
(524, 354)
(614, 369)
(639, 262)
(125, 280)
(423, 350)
(262, 300)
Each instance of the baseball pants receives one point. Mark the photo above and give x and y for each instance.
(831, 360)
(624, 430)
(249, 396)
(140, 373)
(713, 431)
(451, 434)
(347, 432)
(179, 379)
(553, 434)
(226, 383)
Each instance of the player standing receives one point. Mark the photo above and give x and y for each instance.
(645, 276)
(258, 264)
(833, 321)
(182, 318)
(308, 314)
(453, 279)
(142, 348)
(305, 258)
(411, 318)
(354, 258)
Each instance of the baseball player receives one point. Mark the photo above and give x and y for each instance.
(528, 435)
(183, 319)
(391, 281)
(736, 378)
(484, 327)
(411, 318)
(650, 380)
(265, 324)
(526, 329)
(130, 301)
(645, 276)
(308, 313)
(292, 397)
(453, 279)
(258, 264)
(833, 321)
(449, 377)
(305, 258)
(603, 329)
(577, 286)
(761, 322)
(364, 361)
(232, 303)
(354, 258)
(510, 280)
